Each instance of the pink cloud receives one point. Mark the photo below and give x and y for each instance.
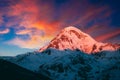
(1, 19)
(23, 32)
(5, 31)
(108, 35)
(90, 14)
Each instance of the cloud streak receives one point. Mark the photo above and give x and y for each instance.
(1, 19)
(5, 31)
(23, 32)
(34, 42)
(108, 35)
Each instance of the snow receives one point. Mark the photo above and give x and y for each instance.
(68, 39)
(73, 38)
(71, 64)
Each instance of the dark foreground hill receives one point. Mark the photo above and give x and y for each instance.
(10, 71)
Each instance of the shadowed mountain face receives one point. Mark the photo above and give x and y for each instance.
(73, 38)
(69, 64)
(10, 71)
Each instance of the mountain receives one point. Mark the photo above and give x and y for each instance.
(65, 58)
(71, 64)
(73, 38)
(80, 66)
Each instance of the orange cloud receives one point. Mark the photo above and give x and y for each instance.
(5, 31)
(108, 35)
(48, 28)
(33, 15)
(34, 42)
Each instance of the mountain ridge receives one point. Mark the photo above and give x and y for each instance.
(71, 64)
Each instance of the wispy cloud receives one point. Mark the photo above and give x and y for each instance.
(4, 31)
(1, 19)
(34, 42)
(23, 32)
(108, 35)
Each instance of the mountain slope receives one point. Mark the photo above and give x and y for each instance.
(72, 64)
(81, 66)
(73, 38)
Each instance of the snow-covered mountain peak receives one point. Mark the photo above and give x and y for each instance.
(73, 38)
(67, 29)
(74, 32)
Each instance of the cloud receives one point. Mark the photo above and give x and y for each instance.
(82, 15)
(34, 42)
(32, 19)
(41, 20)
(5, 31)
(30, 14)
(37, 38)
(1, 19)
(93, 14)
(23, 32)
(108, 36)
(43, 14)
(33, 14)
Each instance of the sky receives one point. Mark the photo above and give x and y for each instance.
(27, 25)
